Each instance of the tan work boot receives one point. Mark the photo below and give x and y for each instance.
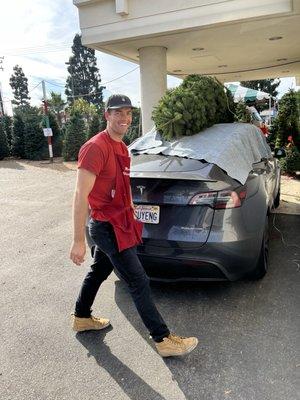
(174, 345)
(89, 324)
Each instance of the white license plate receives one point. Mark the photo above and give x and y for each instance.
(147, 214)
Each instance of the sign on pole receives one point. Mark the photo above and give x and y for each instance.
(47, 132)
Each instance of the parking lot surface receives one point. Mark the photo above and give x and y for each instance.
(247, 330)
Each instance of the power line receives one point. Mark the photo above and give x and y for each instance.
(119, 77)
(54, 84)
(102, 83)
(83, 95)
(35, 87)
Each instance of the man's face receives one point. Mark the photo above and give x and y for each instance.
(119, 120)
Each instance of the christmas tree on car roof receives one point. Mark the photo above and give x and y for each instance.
(198, 103)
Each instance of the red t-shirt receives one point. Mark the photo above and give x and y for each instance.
(96, 156)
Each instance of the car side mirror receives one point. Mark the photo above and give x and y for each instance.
(279, 153)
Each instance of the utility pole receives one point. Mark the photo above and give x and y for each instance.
(48, 130)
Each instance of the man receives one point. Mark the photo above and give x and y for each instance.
(103, 185)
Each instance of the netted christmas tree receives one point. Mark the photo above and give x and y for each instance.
(198, 103)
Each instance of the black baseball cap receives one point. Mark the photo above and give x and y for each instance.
(116, 101)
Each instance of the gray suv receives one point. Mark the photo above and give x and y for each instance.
(199, 223)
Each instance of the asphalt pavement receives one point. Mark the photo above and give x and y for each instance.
(248, 331)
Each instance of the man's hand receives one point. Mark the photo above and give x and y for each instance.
(77, 252)
(84, 185)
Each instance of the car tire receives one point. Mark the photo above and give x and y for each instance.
(262, 264)
(277, 200)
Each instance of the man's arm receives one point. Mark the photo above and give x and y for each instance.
(84, 185)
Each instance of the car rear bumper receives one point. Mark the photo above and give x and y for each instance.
(210, 262)
(213, 261)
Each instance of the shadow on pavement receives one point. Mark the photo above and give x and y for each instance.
(134, 387)
(11, 164)
(246, 330)
(57, 165)
(185, 307)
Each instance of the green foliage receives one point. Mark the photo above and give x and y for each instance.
(136, 127)
(291, 163)
(198, 103)
(75, 137)
(19, 85)
(57, 139)
(18, 137)
(287, 121)
(84, 75)
(102, 117)
(28, 140)
(229, 114)
(56, 105)
(94, 126)
(84, 108)
(34, 141)
(4, 150)
(7, 121)
(241, 113)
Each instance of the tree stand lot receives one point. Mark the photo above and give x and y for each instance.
(247, 330)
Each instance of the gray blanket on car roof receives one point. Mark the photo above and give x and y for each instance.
(232, 147)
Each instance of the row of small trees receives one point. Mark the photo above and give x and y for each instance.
(72, 122)
(286, 131)
(22, 136)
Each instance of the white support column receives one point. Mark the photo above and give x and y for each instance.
(153, 76)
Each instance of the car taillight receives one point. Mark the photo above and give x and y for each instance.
(221, 200)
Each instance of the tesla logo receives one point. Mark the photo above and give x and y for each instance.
(141, 188)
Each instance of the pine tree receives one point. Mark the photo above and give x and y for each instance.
(84, 75)
(74, 138)
(18, 137)
(4, 151)
(35, 143)
(286, 122)
(94, 126)
(198, 103)
(19, 85)
(7, 121)
(102, 118)
(241, 113)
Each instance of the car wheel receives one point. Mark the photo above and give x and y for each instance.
(277, 200)
(262, 264)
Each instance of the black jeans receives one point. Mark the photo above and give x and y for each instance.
(131, 271)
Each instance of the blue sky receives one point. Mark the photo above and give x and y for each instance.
(38, 34)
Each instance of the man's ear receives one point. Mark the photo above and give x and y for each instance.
(106, 115)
